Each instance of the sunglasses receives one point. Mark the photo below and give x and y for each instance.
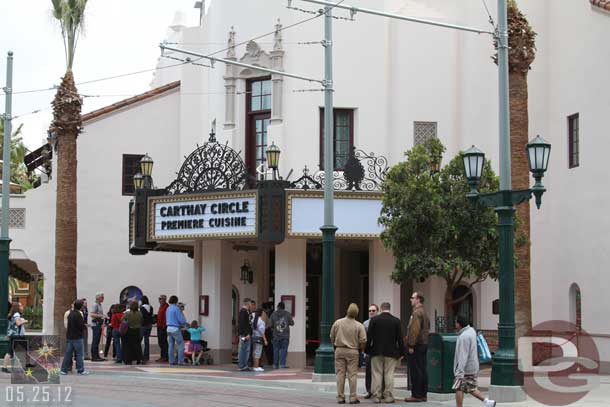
(372, 310)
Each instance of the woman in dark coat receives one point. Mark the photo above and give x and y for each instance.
(132, 339)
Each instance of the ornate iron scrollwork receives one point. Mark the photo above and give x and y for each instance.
(354, 172)
(375, 170)
(306, 181)
(363, 172)
(211, 167)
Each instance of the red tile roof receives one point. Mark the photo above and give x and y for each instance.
(128, 102)
(603, 4)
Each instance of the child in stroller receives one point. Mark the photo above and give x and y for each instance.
(193, 346)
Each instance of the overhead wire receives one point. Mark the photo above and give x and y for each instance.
(54, 87)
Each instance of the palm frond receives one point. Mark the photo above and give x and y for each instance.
(71, 16)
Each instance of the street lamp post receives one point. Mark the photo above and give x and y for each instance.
(5, 241)
(324, 362)
(504, 370)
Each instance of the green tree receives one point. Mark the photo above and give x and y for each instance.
(65, 128)
(431, 227)
(19, 172)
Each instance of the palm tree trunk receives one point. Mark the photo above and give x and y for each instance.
(66, 126)
(519, 122)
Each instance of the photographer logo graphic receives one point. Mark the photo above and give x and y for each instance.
(560, 363)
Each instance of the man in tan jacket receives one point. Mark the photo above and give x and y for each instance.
(349, 338)
(417, 349)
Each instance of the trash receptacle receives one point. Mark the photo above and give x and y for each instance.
(441, 350)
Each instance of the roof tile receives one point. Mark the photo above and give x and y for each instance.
(127, 102)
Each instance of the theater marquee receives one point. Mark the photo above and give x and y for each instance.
(185, 217)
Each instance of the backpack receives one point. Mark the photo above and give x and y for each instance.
(483, 349)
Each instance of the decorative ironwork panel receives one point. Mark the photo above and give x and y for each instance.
(211, 167)
(363, 172)
(306, 181)
(423, 131)
(375, 170)
(16, 219)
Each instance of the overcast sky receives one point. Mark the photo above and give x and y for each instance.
(121, 36)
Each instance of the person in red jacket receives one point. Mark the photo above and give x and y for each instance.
(162, 328)
(115, 323)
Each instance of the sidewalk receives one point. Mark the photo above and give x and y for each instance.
(301, 380)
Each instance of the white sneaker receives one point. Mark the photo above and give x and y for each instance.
(259, 369)
(489, 403)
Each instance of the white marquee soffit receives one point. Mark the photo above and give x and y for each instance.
(203, 216)
(356, 214)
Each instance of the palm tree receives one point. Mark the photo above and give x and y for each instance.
(522, 52)
(65, 128)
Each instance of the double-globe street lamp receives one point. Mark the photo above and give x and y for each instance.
(504, 367)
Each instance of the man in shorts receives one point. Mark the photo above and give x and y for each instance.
(466, 364)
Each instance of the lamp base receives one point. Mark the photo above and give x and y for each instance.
(507, 394)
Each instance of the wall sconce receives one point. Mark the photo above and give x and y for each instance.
(247, 275)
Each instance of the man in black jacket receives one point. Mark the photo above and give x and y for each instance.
(244, 330)
(74, 342)
(385, 347)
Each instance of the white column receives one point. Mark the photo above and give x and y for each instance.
(290, 279)
(187, 286)
(216, 283)
(381, 287)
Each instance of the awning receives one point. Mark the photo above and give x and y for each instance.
(21, 267)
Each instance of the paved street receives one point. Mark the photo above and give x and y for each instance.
(159, 385)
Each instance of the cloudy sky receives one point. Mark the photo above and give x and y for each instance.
(121, 36)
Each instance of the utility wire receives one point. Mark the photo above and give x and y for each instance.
(491, 19)
(54, 87)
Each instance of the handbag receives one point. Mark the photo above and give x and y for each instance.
(483, 348)
(123, 327)
(13, 329)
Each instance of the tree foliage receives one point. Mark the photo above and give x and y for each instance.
(19, 172)
(70, 14)
(431, 227)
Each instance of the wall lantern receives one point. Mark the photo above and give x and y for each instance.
(247, 275)
(273, 158)
(138, 180)
(474, 159)
(146, 165)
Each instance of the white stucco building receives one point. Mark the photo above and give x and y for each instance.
(395, 82)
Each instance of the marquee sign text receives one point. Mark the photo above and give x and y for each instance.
(204, 216)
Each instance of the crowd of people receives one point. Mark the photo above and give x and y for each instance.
(128, 329)
(381, 340)
(260, 328)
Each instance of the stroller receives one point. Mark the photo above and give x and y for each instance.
(204, 358)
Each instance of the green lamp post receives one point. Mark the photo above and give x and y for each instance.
(504, 370)
(5, 240)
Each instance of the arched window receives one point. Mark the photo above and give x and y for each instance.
(576, 306)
